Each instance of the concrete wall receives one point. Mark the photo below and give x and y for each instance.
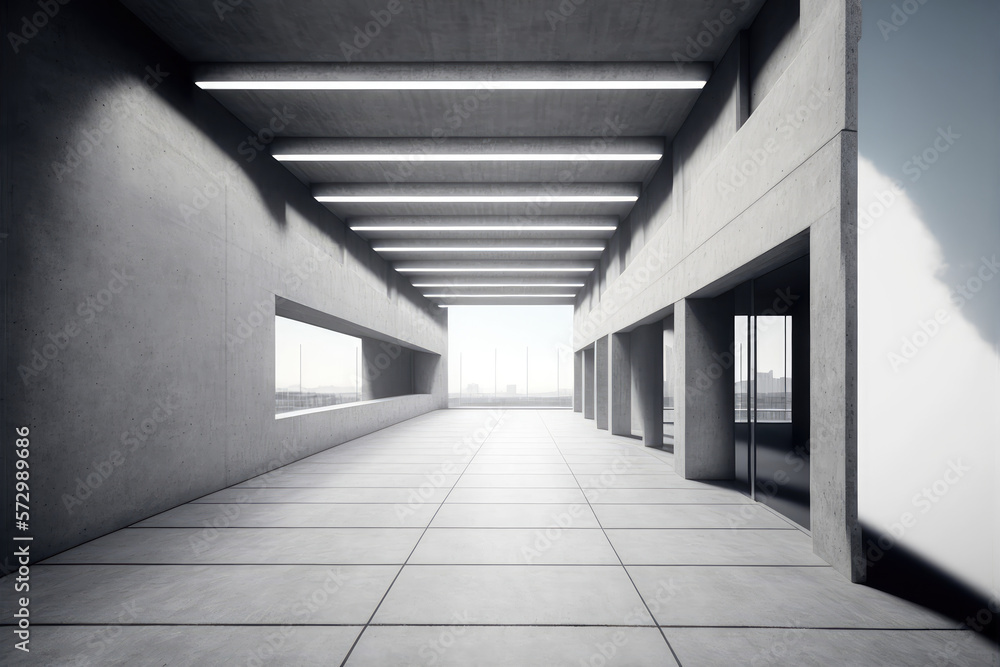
(145, 241)
(743, 193)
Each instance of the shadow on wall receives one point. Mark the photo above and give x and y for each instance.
(901, 572)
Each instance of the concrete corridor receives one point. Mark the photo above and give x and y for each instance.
(469, 537)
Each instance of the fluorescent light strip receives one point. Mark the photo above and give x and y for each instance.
(477, 269)
(469, 157)
(452, 85)
(485, 228)
(492, 249)
(461, 286)
(499, 296)
(473, 199)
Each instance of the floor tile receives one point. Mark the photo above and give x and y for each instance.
(326, 495)
(514, 546)
(184, 645)
(515, 515)
(517, 481)
(239, 546)
(476, 468)
(515, 495)
(513, 594)
(458, 646)
(637, 481)
(852, 648)
(230, 594)
(713, 547)
(814, 597)
(699, 496)
(332, 480)
(286, 515)
(688, 516)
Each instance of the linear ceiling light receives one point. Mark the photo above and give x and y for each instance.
(484, 228)
(462, 286)
(473, 199)
(499, 296)
(468, 157)
(453, 85)
(490, 249)
(479, 269)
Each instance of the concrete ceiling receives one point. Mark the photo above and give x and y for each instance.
(426, 155)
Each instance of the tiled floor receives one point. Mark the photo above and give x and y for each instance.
(453, 539)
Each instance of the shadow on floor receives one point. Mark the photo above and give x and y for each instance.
(897, 570)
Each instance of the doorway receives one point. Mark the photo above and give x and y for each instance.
(771, 390)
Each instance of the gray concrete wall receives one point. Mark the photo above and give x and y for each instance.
(703, 434)
(386, 368)
(146, 242)
(736, 195)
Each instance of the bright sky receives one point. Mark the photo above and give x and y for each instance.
(477, 333)
(329, 359)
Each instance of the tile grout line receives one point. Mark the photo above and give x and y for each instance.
(357, 639)
(611, 544)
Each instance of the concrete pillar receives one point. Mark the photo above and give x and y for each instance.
(601, 382)
(647, 373)
(704, 436)
(833, 373)
(621, 384)
(578, 381)
(588, 383)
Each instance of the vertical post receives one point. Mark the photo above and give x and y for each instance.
(647, 370)
(704, 437)
(621, 384)
(601, 382)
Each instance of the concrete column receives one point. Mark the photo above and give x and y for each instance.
(578, 381)
(601, 382)
(588, 383)
(704, 437)
(833, 372)
(621, 384)
(647, 372)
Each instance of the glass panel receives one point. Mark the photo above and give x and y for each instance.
(669, 376)
(314, 367)
(774, 369)
(514, 356)
(741, 351)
